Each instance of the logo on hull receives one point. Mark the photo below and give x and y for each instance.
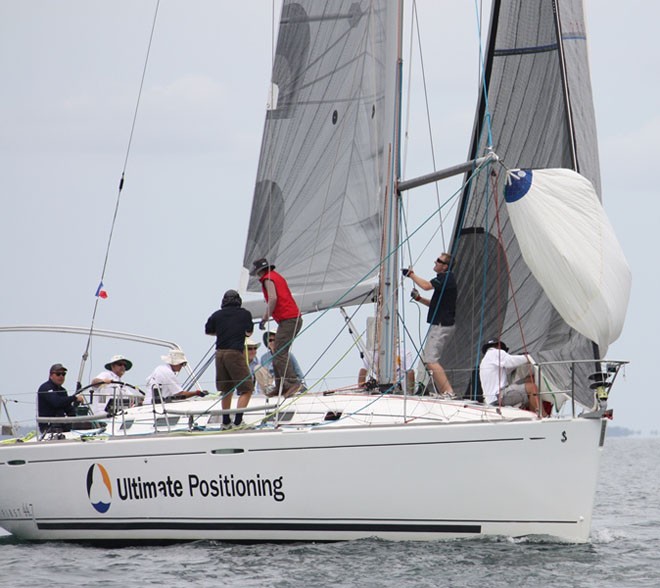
(99, 488)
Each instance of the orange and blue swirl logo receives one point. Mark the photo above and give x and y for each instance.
(99, 487)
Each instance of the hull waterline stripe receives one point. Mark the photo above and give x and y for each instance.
(200, 526)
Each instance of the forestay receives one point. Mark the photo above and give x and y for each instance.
(317, 207)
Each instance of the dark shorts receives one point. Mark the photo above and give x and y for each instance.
(232, 371)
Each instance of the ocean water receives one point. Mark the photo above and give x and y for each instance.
(624, 551)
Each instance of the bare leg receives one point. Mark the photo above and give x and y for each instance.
(226, 400)
(533, 397)
(440, 378)
(410, 381)
(244, 399)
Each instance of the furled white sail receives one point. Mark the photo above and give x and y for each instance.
(570, 246)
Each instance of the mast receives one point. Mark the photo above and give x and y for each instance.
(389, 292)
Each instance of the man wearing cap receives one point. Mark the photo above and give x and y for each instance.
(284, 310)
(493, 369)
(441, 317)
(230, 325)
(162, 383)
(114, 372)
(266, 361)
(53, 399)
(261, 377)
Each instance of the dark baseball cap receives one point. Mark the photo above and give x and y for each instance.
(57, 367)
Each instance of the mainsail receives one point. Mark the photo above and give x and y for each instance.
(317, 211)
(538, 110)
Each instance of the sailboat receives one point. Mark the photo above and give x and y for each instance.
(531, 242)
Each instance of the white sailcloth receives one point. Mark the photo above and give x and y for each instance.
(570, 246)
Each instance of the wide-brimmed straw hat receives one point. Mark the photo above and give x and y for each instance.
(174, 357)
(117, 359)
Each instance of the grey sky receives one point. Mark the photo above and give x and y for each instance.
(70, 72)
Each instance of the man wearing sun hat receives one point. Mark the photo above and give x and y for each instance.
(114, 372)
(53, 399)
(494, 368)
(162, 383)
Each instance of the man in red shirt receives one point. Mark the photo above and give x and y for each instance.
(284, 310)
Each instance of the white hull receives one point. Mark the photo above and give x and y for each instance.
(401, 481)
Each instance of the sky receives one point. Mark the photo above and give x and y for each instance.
(71, 73)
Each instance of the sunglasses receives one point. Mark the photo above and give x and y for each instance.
(271, 340)
(121, 364)
(440, 261)
(59, 373)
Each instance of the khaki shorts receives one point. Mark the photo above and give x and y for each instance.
(514, 395)
(232, 371)
(436, 341)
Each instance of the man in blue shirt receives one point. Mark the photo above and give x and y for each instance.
(267, 361)
(54, 401)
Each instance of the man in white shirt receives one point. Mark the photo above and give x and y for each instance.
(106, 390)
(162, 384)
(493, 370)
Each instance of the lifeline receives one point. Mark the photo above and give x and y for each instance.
(223, 487)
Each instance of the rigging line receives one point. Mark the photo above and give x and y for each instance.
(408, 105)
(367, 41)
(321, 355)
(435, 232)
(508, 272)
(484, 284)
(121, 185)
(199, 370)
(407, 127)
(490, 188)
(338, 302)
(271, 106)
(428, 121)
(467, 183)
(327, 348)
(482, 69)
(418, 349)
(472, 175)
